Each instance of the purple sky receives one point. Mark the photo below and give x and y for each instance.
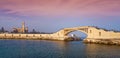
(53, 15)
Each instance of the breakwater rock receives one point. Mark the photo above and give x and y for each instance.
(103, 41)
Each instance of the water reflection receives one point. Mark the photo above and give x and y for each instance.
(55, 49)
(102, 51)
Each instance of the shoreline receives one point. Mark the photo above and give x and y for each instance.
(86, 41)
(38, 38)
(103, 41)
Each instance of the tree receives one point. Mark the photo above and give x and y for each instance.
(2, 29)
(33, 31)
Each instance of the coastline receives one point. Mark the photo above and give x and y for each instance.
(103, 41)
(108, 41)
(87, 41)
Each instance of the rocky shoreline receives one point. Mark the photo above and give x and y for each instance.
(103, 41)
(42, 38)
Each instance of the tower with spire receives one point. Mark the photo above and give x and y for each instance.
(23, 29)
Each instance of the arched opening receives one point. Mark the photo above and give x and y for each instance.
(99, 33)
(77, 35)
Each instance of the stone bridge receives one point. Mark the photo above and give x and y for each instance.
(92, 33)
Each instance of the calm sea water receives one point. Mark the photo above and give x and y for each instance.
(55, 49)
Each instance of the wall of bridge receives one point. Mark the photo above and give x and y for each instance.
(92, 33)
(102, 34)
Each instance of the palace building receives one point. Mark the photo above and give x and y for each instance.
(23, 29)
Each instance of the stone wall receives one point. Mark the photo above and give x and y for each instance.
(32, 36)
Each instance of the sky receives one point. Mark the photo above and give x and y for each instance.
(53, 15)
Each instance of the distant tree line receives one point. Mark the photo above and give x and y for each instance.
(33, 32)
(37, 32)
(2, 30)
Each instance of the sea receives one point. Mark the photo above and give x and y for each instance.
(56, 49)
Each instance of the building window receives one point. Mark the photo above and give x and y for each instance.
(12, 35)
(99, 33)
(90, 31)
(86, 30)
(5, 35)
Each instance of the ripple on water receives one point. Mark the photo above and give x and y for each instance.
(55, 49)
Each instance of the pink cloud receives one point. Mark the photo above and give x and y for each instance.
(61, 7)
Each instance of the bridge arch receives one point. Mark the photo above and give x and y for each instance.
(67, 32)
(78, 34)
(63, 33)
(84, 29)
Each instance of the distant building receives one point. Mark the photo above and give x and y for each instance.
(23, 29)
